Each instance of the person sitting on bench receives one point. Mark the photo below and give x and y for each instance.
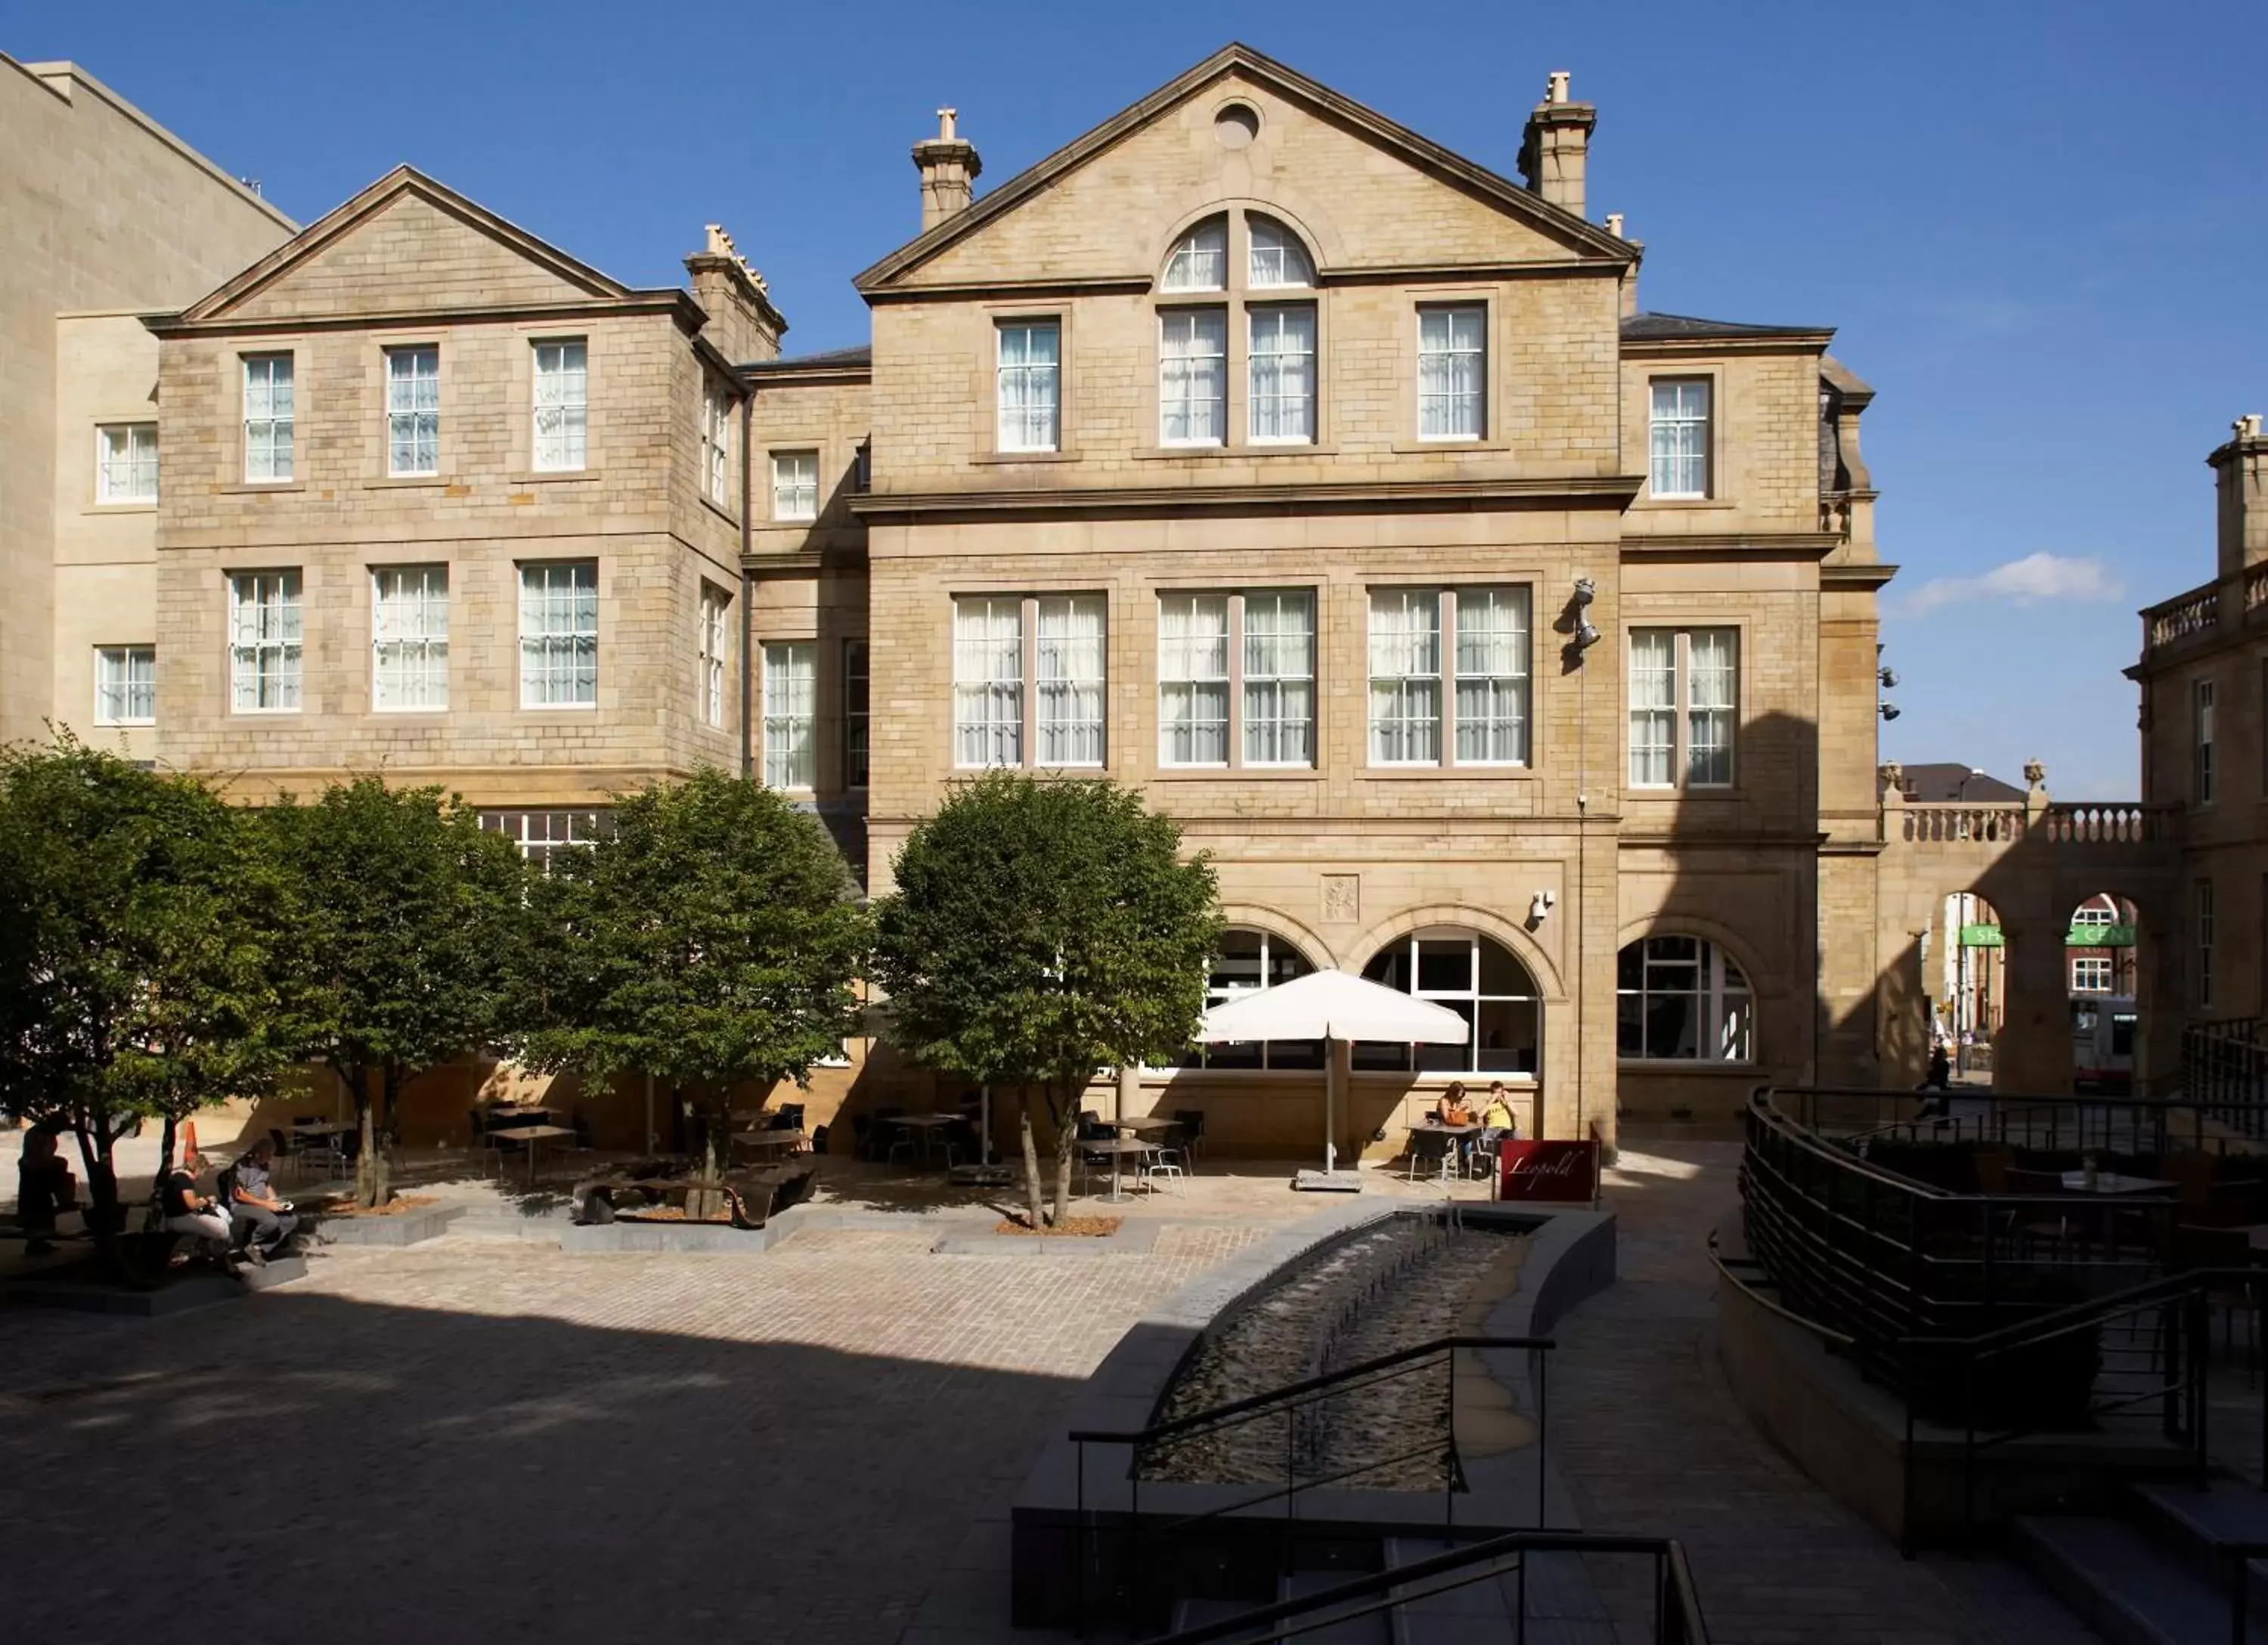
(45, 1188)
(190, 1212)
(270, 1219)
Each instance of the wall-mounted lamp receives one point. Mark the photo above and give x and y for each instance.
(1888, 677)
(1889, 710)
(1586, 634)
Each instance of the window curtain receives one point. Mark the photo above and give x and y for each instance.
(1405, 676)
(1030, 362)
(1192, 680)
(1711, 693)
(1283, 368)
(1071, 663)
(988, 681)
(1450, 361)
(1192, 376)
(1652, 706)
(1279, 679)
(1492, 676)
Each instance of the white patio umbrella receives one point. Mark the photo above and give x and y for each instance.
(1337, 1007)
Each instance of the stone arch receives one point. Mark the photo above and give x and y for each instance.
(1668, 923)
(1294, 214)
(1275, 923)
(1513, 934)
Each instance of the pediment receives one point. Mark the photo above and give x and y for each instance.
(1369, 192)
(404, 243)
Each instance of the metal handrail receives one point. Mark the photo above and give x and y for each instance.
(1255, 1403)
(1674, 1598)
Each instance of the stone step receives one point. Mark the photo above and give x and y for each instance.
(1553, 1590)
(2192, 1522)
(2118, 1579)
(1374, 1629)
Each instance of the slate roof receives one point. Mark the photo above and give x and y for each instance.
(1648, 327)
(863, 355)
(1941, 784)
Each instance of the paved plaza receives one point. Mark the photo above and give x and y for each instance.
(480, 1439)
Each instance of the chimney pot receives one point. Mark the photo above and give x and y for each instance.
(1554, 147)
(1614, 223)
(2240, 475)
(949, 168)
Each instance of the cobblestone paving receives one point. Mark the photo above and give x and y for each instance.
(1651, 1443)
(485, 1441)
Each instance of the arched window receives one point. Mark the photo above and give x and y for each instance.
(1199, 260)
(1474, 976)
(1682, 1000)
(1276, 257)
(1249, 961)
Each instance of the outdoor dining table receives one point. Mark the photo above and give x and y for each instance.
(780, 1142)
(1147, 1122)
(924, 1125)
(1434, 1126)
(529, 1136)
(1120, 1148)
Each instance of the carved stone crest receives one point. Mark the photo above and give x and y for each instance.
(1342, 898)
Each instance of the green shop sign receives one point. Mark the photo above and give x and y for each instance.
(2079, 937)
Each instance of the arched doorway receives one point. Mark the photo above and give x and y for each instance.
(1478, 978)
(2101, 973)
(1969, 984)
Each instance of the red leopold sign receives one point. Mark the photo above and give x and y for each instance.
(1562, 1172)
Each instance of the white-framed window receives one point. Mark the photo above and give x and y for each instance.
(791, 713)
(1278, 700)
(1275, 258)
(1452, 370)
(413, 411)
(1405, 676)
(562, 405)
(559, 634)
(125, 685)
(1071, 670)
(1192, 376)
(2203, 774)
(543, 836)
(1685, 706)
(1030, 385)
(2203, 905)
(988, 681)
(1193, 679)
(716, 648)
(1282, 360)
(855, 697)
(1478, 978)
(717, 445)
(1680, 999)
(1249, 962)
(1679, 431)
(1491, 647)
(795, 485)
(264, 639)
(1199, 260)
(2090, 974)
(269, 417)
(409, 637)
(2093, 914)
(126, 463)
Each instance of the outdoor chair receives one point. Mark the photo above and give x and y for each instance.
(1430, 1152)
(1191, 1121)
(1164, 1162)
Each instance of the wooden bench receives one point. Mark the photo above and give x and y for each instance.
(751, 1197)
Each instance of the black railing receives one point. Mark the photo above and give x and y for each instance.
(1304, 1410)
(2225, 1072)
(1677, 1618)
(1883, 1258)
(1857, 1118)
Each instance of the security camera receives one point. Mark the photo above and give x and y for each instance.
(1889, 679)
(1889, 710)
(1540, 905)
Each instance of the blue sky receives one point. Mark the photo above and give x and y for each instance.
(2041, 229)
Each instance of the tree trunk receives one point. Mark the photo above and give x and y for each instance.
(1066, 1117)
(371, 1164)
(95, 1152)
(1031, 1157)
(356, 1081)
(705, 1203)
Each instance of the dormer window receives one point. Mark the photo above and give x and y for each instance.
(1276, 257)
(1241, 370)
(1199, 261)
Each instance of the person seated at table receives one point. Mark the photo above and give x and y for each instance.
(1497, 1121)
(189, 1213)
(1451, 1108)
(267, 1218)
(45, 1188)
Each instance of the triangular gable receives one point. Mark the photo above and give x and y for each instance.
(1501, 194)
(377, 253)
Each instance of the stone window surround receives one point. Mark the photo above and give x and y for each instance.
(817, 451)
(1028, 597)
(985, 379)
(713, 684)
(1712, 373)
(126, 652)
(520, 470)
(234, 353)
(103, 428)
(1416, 299)
(1236, 763)
(1678, 792)
(768, 712)
(1237, 298)
(1447, 763)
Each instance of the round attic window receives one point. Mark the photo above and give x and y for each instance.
(1236, 126)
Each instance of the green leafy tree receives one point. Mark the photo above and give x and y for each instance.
(402, 912)
(136, 922)
(1040, 932)
(711, 936)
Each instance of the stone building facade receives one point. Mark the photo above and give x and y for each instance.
(1497, 637)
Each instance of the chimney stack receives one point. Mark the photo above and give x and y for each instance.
(2241, 469)
(949, 169)
(742, 323)
(1553, 148)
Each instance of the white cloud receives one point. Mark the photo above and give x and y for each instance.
(2035, 579)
